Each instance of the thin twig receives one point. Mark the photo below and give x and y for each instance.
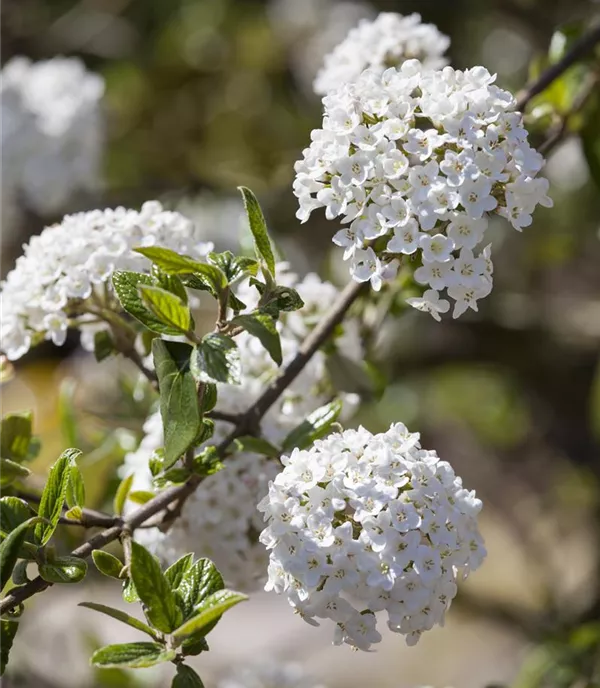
(245, 423)
(579, 49)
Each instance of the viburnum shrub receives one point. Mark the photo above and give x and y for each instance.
(244, 475)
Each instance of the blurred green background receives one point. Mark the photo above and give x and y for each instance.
(204, 95)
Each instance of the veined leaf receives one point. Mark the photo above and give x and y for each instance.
(258, 227)
(208, 613)
(53, 496)
(107, 563)
(122, 616)
(174, 264)
(263, 327)
(178, 398)
(64, 570)
(13, 512)
(200, 581)
(175, 573)
(216, 359)
(186, 678)
(233, 267)
(167, 307)
(132, 655)
(161, 607)
(126, 286)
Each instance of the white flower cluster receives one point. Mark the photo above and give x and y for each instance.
(413, 160)
(387, 41)
(220, 519)
(362, 523)
(52, 131)
(64, 277)
(269, 675)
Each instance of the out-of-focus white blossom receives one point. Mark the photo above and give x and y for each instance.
(63, 278)
(362, 523)
(312, 28)
(269, 675)
(385, 42)
(52, 131)
(220, 519)
(413, 161)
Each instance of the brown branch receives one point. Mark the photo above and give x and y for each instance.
(90, 517)
(245, 423)
(579, 49)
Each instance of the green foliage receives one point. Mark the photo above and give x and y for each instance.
(11, 546)
(63, 570)
(132, 655)
(262, 326)
(181, 605)
(233, 267)
(186, 678)
(178, 398)
(17, 445)
(208, 613)
(167, 307)
(160, 605)
(216, 359)
(8, 630)
(317, 425)
(54, 494)
(258, 227)
(257, 445)
(126, 285)
(104, 345)
(122, 616)
(207, 277)
(122, 493)
(280, 299)
(107, 563)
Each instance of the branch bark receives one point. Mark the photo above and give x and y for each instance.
(245, 422)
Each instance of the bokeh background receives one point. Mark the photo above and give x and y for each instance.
(205, 95)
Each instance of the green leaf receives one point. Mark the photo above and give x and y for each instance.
(15, 436)
(199, 582)
(208, 613)
(262, 326)
(13, 512)
(257, 445)
(126, 286)
(75, 513)
(10, 546)
(11, 471)
(258, 227)
(129, 592)
(175, 573)
(281, 299)
(233, 267)
(174, 264)
(53, 496)
(234, 303)
(186, 678)
(75, 495)
(154, 590)
(121, 494)
(141, 496)
(209, 398)
(104, 345)
(19, 574)
(64, 570)
(167, 307)
(178, 398)
(8, 631)
(107, 563)
(132, 655)
(316, 425)
(207, 462)
(121, 616)
(194, 645)
(171, 283)
(216, 359)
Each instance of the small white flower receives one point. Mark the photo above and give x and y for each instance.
(430, 303)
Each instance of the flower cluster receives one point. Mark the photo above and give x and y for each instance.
(220, 519)
(414, 160)
(52, 133)
(269, 675)
(362, 523)
(64, 277)
(387, 41)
